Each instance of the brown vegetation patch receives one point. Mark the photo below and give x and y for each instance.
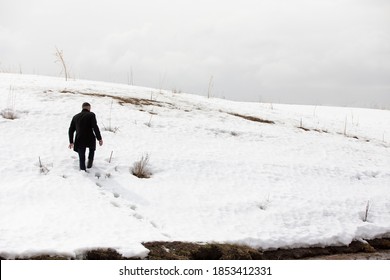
(320, 130)
(380, 243)
(103, 254)
(123, 100)
(9, 114)
(141, 168)
(304, 128)
(304, 253)
(354, 137)
(315, 129)
(193, 251)
(251, 118)
(42, 257)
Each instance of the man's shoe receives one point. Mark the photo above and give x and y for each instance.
(90, 162)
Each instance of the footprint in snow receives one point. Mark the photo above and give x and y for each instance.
(115, 204)
(153, 225)
(138, 216)
(116, 195)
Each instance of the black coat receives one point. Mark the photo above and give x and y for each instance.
(87, 130)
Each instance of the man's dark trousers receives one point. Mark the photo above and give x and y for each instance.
(81, 152)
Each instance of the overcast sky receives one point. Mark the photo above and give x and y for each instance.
(323, 52)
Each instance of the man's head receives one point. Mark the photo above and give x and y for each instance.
(87, 106)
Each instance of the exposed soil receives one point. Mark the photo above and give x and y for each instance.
(251, 118)
(123, 100)
(376, 249)
(372, 249)
(380, 255)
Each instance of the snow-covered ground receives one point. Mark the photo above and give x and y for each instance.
(216, 177)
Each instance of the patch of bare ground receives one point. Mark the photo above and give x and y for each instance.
(103, 254)
(304, 128)
(376, 249)
(326, 131)
(123, 100)
(190, 251)
(252, 118)
(380, 255)
(194, 251)
(45, 257)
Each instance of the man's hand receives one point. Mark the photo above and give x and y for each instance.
(100, 142)
(71, 145)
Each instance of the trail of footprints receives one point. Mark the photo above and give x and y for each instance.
(118, 202)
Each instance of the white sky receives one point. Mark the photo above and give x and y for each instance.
(333, 52)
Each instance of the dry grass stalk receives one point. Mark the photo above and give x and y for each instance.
(365, 219)
(211, 84)
(60, 58)
(141, 168)
(10, 112)
(42, 168)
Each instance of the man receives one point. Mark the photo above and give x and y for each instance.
(87, 130)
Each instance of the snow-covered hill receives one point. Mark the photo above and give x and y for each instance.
(219, 175)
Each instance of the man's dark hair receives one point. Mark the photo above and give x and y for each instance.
(86, 104)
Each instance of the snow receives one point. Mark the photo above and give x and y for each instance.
(216, 177)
